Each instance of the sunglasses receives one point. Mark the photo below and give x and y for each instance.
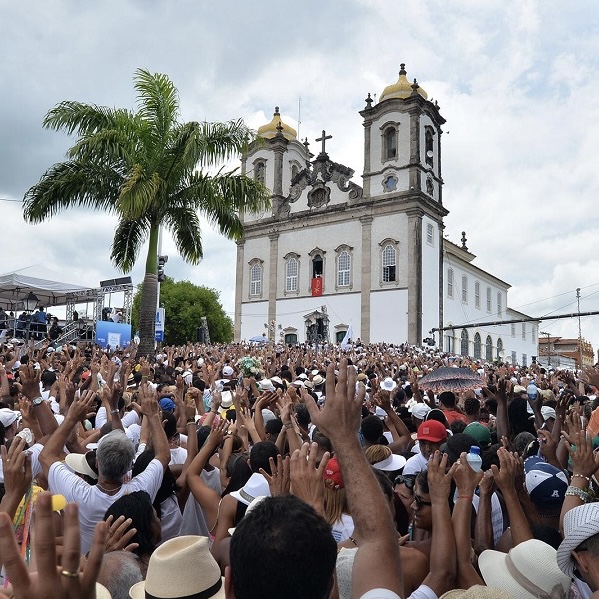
(408, 480)
(420, 503)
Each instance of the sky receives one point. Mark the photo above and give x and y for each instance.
(516, 81)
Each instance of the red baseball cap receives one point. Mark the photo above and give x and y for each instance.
(332, 473)
(432, 430)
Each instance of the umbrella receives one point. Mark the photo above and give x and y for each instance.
(258, 339)
(451, 379)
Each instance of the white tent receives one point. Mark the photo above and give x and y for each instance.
(41, 281)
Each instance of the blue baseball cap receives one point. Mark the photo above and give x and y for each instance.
(167, 404)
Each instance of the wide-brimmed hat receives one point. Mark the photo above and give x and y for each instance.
(256, 485)
(388, 384)
(580, 523)
(78, 463)
(478, 591)
(528, 571)
(8, 416)
(226, 399)
(390, 464)
(181, 567)
(318, 380)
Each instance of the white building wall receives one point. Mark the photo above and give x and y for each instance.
(389, 316)
(253, 317)
(430, 276)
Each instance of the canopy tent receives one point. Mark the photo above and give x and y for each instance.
(44, 283)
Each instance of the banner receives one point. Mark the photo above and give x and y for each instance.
(113, 334)
(348, 339)
(316, 286)
(159, 330)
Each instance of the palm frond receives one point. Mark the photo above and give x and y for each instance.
(184, 225)
(219, 142)
(128, 239)
(140, 193)
(72, 184)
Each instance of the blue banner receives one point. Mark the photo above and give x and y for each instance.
(113, 334)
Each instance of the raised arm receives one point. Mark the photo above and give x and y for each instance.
(149, 408)
(30, 387)
(377, 563)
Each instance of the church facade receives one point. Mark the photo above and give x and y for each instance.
(332, 255)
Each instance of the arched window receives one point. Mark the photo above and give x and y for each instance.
(291, 275)
(391, 143)
(260, 171)
(255, 278)
(499, 303)
(290, 338)
(340, 336)
(450, 282)
(465, 342)
(428, 146)
(449, 341)
(343, 269)
(464, 289)
(477, 294)
(499, 348)
(489, 349)
(389, 264)
(477, 347)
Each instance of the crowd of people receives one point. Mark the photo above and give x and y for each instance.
(246, 471)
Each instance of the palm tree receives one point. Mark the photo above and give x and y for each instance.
(150, 170)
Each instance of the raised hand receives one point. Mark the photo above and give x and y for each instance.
(439, 478)
(148, 400)
(465, 477)
(510, 469)
(279, 480)
(118, 537)
(30, 381)
(307, 481)
(80, 408)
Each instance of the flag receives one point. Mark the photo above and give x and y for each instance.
(349, 336)
(316, 287)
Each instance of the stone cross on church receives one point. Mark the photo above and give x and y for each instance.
(323, 139)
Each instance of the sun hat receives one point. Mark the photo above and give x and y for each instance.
(432, 430)
(319, 380)
(308, 384)
(388, 384)
(480, 433)
(332, 474)
(226, 399)
(78, 463)
(362, 376)
(181, 567)
(528, 571)
(419, 410)
(390, 464)
(380, 413)
(268, 415)
(580, 523)
(228, 371)
(545, 483)
(302, 376)
(478, 591)
(265, 385)
(8, 416)
(256, 485)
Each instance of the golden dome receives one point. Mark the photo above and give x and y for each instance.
(271, 129)
(402, 89)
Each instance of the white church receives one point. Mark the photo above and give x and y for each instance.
(331, 254)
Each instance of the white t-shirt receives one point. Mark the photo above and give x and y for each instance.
(178, 455)
(170, 518)
(92, 502)
(128, 418)
(343, 528)
(417, 463)
(422, 592)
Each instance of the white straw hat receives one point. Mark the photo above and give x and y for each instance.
(181, 567)
(390, 464)
(580, 523)
(528, 571)
(256, 486)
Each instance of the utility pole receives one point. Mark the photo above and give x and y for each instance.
(579, 327)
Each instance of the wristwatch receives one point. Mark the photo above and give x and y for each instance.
(36, 401)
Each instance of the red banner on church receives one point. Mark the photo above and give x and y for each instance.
(316, 286)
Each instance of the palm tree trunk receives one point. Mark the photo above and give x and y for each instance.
(149, 295)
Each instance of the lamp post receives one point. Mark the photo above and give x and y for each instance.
(29, 303)
(548, 347)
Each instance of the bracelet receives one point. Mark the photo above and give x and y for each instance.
(582, 476)
(114, 411)
(576, 492)
(468, 497)
(287, 426)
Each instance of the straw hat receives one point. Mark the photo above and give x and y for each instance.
(528, 571)
(580, 524)
(256, 486)
(478, 591)
(181, 567)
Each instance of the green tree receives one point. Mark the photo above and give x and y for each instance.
(150, 170)
(184, 304)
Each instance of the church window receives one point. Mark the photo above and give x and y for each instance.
(514, 360)
(465, 342)
(290, 338)
(477, 346)
(499, 348)
(430, 234)
(477, 294)
(523, 331)
(255, 278)
(464, 289)
(391, 143)
(343, 269)
(260, 171)
(513, 330)
(428, 145)
(389, 264)
(499, 304)
(291, 275)
(449, 341)
(317, 266)
(340, 336)
(450, 283)
(533, 333)
(390, 183)
(524, 360)
(489, 349)
(488, 299)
